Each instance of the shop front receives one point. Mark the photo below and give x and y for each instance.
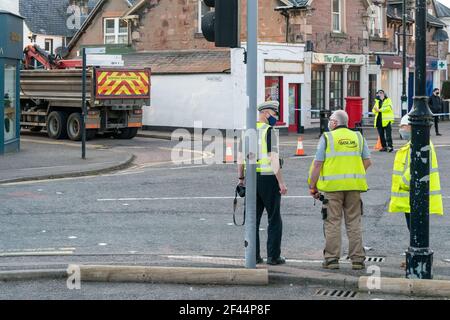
(334, 77)
(10, 57)
(283, 77)
(433, 76)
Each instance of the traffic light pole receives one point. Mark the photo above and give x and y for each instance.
(419, 257)
(251, 141)
(84, 110)
(404, 97)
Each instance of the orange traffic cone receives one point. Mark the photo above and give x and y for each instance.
(229, 158)
(300, 151)
(378, 146)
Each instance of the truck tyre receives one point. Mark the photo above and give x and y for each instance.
(74, 126)
(126, 133)
(57, 125)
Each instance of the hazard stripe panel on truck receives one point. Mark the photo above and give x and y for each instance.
(115, 84)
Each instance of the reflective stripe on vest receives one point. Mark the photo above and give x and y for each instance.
(343, 169)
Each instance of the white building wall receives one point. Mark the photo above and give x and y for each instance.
(217, 100)
(58, 41)
(182, 100)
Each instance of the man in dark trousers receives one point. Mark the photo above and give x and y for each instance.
(270, 183)
(435, 103)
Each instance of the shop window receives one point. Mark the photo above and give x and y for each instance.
(317, 92)
(353, 83)
(336, 89)
(10, 102)
(274, 92)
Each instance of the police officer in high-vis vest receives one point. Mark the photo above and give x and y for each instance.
(270, 183)
(384, 118)
(401, 177)
(339, 170)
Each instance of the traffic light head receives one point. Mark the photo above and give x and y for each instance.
(222, 26)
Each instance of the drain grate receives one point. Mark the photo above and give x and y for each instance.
(375, 259)
(335, 293)
(370, 259)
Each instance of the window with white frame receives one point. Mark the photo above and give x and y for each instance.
(337, 15)
(202, 10)
(376, 21)
(115, 31)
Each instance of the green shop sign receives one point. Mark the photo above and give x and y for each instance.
(323, 58)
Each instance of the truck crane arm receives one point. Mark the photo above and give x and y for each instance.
(49, 61)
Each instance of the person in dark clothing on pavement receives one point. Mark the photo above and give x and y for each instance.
(435, 103)
(270, 183)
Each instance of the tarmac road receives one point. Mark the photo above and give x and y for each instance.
(160, 208)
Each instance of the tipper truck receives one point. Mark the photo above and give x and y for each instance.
(51, 99)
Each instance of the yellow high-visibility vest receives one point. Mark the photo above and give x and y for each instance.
(401, 178)
(386, 111)
(264, 163)
(343, 168)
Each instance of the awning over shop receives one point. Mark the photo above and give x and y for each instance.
(389, 62)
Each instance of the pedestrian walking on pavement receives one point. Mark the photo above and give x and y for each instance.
(384, 118)
(270, 183)
(339, 170)
(401, 178)
(435, 103)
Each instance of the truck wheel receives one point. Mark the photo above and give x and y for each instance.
(74, 126)
(126, 133)
(57, 125)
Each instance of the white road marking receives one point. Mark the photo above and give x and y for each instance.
(187, 198)
(72, 237)
(238, 260)
(190, 167)
(36, 253)
(301, 157)
(102, 244)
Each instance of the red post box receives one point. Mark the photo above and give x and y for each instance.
(354, 107)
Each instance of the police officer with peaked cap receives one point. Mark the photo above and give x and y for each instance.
(270, 182)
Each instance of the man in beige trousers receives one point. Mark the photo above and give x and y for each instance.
(339, 170)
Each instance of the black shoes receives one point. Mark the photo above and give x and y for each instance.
(259, 260)
(358, 265)
(390, 149)
(331, 264)
(438, 134)
(279, 260)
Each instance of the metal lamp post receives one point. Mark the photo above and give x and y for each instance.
(419, 257)
(404, 97)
